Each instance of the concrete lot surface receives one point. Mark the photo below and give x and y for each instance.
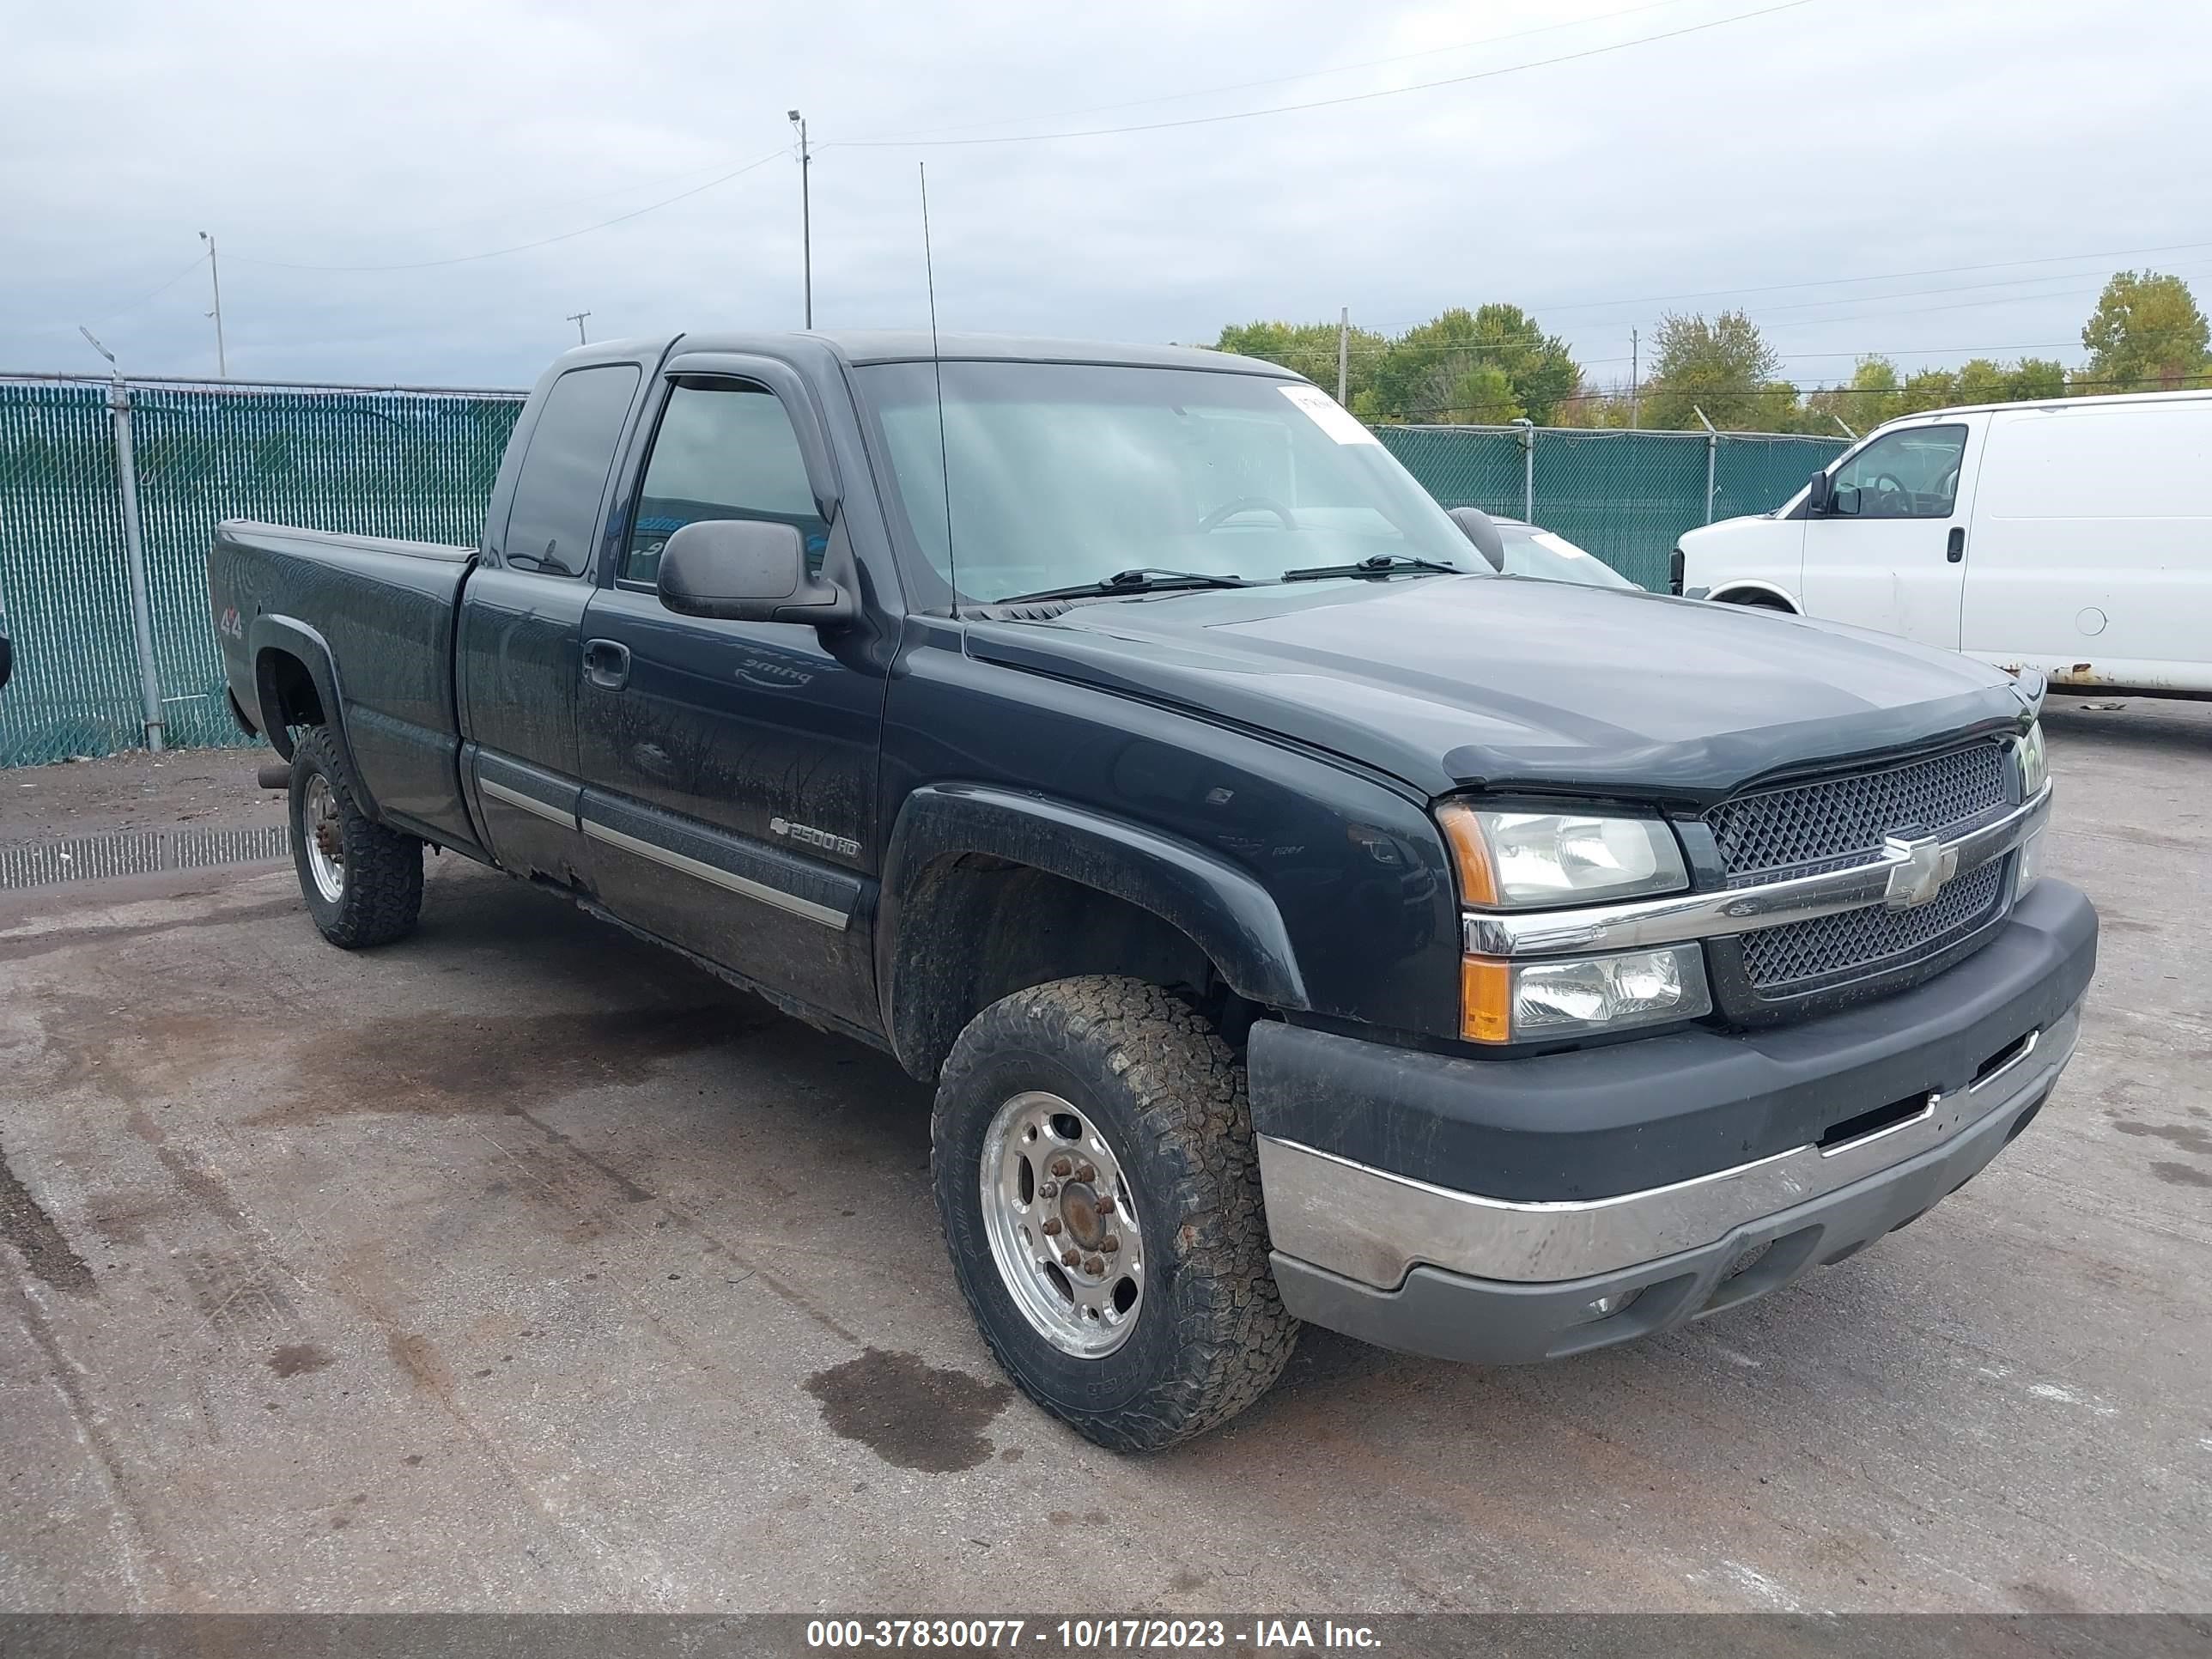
(521, 1266)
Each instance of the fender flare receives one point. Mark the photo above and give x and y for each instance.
(1723, 592)
(289, 634)
(1220, 907)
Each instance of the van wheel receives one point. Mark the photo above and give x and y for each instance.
(363, 882)
(1091, 1151)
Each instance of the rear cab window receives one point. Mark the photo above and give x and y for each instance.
(554, 524)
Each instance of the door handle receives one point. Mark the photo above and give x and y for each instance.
(606, 664)
(1955, 548)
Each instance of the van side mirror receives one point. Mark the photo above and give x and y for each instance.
(746, 570)
(1475, 525)
(1817, 494)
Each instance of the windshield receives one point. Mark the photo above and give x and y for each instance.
(1533, 552)
(1063, 474)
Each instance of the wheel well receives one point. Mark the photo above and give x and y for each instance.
(288, 692)
(975, 927)
(1756, 599)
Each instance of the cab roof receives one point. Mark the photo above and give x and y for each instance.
(907, 345)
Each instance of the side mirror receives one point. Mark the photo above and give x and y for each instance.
(1474, 524)
(747, 570)
(1818, 493)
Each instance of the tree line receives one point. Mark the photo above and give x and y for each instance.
(1495, 364)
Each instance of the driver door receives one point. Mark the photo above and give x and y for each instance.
(729, 767)
(1890, 551)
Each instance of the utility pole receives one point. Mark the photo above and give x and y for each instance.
(215, 276)
(805, 212)
(1634, 348)
(1343, 351)
(577, 317)
(134, 543)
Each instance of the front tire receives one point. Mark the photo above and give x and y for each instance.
(363, 883)
(1092, 1156)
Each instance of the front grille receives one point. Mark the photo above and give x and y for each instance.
(1834, 823)
(1803, 956)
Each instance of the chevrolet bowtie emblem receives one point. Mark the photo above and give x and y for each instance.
(1924, 865)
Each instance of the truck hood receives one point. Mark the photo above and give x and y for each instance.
(1456, 682)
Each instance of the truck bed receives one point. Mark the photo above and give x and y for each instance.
(383, 613)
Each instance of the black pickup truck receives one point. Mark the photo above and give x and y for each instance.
(1298, 919)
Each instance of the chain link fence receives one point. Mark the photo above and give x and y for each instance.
(1624, 496)
(419, 463)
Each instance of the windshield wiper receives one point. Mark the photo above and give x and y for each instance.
(1145, 579)
(1378, 564)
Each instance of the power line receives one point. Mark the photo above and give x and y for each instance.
(1530, 310)
(543, 241)
(1271, 81)
(158, 289)
(1326, 355)
(1765, 390)
(1329, 103)
(1881, 277)
(1967, 305)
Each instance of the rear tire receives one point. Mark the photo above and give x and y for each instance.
(1166, 1322)
(363, 883)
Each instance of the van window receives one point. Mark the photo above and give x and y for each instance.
(2149, 461)
(725, 450)
(1912, 474)
(555, 520)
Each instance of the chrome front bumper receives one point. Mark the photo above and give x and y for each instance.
(1372, 1228)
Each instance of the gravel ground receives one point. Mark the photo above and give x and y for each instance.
(193, 788)
(521, 1265)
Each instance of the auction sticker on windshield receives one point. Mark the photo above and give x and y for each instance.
(1328, 414)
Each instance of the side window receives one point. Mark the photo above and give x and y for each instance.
(725, 450)
(1912, 474)
(555, 520)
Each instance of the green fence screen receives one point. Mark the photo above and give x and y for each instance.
(377, 463)
(1624, 496)
(420, 464)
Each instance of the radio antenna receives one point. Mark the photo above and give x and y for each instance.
(937, 367)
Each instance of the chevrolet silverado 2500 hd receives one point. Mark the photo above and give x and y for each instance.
(1297, 919)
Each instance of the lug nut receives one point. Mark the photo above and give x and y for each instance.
(1060, 1166)
(1051, 1227)
(1095, 1264)
(1048, 1189)
(1085, 1173)
(1105, 1205)
(1069, 1258)
(1111, 1245)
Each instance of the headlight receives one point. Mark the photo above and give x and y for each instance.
(1517, 860)
(2035, 771)
(1580, 996)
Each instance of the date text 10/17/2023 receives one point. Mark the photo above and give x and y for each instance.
(1093, 1635)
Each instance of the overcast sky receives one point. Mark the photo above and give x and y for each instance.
(1800, 144)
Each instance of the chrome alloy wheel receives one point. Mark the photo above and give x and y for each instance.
(325, 841)
(1062, 1229)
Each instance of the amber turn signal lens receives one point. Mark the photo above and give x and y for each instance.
(1485, 1000)
(1470, 855)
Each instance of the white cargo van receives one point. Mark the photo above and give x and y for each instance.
(2074, 536)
